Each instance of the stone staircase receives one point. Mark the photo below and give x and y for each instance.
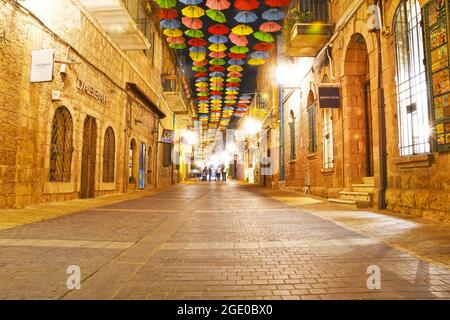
(361, 195)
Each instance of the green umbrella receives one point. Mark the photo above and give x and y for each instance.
(177, 46)
(216, 15)
(217, 62)
(194, 33)
(263, 36)
(166, 3)
(216, 88)
(199, 69)
(233, 80)
(230, 101)
(239, 49)
(202, 94)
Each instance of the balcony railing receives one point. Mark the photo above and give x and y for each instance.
(312, 10)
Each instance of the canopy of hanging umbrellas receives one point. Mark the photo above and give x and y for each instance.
(224, 40)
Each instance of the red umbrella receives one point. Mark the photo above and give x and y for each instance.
(202, 89)
(218, 4)
(201, 74)
(277, 3)
(217, 55)
(197, 42)
(216, 68)
(263, 46)
(270, 26)
(238, 40)
(218, 29)
(175, 39)
(167, 13)
(233, 84)
(200, 63)
(202, 98)
(215, 92)
(233, 55)
(246, 4)
(192, 23)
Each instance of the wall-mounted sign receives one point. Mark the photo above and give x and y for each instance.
(168, 136)
(91, 91)
(329, 96)
(42, 65)
(436, 19)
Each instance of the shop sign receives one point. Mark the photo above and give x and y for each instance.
(168, 136)
(42, 65)
(329, 96)
(91, 91)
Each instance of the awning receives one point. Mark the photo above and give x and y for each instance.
(133, 87)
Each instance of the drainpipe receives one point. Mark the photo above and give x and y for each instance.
(281, 111)
(381, 122)
(126, 145)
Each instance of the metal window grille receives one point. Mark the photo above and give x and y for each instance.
(318, 9)
(137, 11)
(412, 101)
(327, 139)
(312, 128)
(61, 146)
(109, 150)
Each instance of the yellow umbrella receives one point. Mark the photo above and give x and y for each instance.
(242, 30)
(193, 12)
(235, 68)
(232, 92)
(201, 84)
(173, 32)
(217, 47)
(216, 79)
(256, 61)
(216, 101)
(197, 56)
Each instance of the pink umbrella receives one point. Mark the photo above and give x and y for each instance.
(200, 63)
(234, 74)
(217, 55)
(238, 40)
(175, 39)
(218, 4)
(270, 26)
(192, 23)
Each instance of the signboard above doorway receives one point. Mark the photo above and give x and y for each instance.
(329, 96)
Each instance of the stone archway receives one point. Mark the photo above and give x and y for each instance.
(357, 113)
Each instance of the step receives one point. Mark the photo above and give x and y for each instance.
(358, 204)
(369, 180)
(370, 188)
(342, 201)
(355, 195)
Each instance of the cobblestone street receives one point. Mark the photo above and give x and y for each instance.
(224, 241)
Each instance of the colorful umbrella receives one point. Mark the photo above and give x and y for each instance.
(217, 47)
(218, 39)
(170, 23)
(238, 40)
(231, 92)
(218, 4)
(270, 26)
(217, 62)
(216, 79)
(197, 42)
(246, 17)
(200, 63)
(194, 33)
(277, 3)
(233, 85)
(234, 74)
(256, 62)
(166, 4)
(242, 30)
(235, 68)
(232, 79)
(217, 55)
(197, 56)
(217, 68)
(216, 15)
(233, 55)
(201, 79)
(177, 46)
(202, 94)
(192, 23)
(259, 54)
(200, 85)
(230, 97)
(193, 12)
(246, 4)
(263, 46)
(215, 92)
(217, 74)
(218, 29)
(200, 74)
(199, 68)
(176, 40)
(273, 14)
(191, 2)
(173, 32)
(239, 49)
(263, 36)
(197, 49)
(236, 62)
(167, 13)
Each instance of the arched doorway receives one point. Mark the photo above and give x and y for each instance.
(142, 165)
(88, 161)
(357, 112)
(150, 166)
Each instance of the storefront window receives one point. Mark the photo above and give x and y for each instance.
(61, 146)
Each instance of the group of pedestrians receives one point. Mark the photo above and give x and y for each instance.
(219, 173)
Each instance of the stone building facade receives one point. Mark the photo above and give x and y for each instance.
(333, 150)
(95, 124)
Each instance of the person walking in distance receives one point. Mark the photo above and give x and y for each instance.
(209, 173)
(218, 173)
(224, 173)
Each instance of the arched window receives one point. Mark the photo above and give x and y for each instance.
(109, 151)
(312, 146)
(61, 146)
(412, 100)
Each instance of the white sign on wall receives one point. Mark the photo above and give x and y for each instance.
(42, 65)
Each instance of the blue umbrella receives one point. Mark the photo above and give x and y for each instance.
(246, 97)
(217, 74)
(216, 97)
(218, 39)
(170, 24)
(259, 55)
(197, 49)
(191, 2)
(236, 62)
(246, 17)
(201, 79)
(273, 14)
(232, 88)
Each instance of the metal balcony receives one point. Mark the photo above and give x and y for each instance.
(175, 96)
